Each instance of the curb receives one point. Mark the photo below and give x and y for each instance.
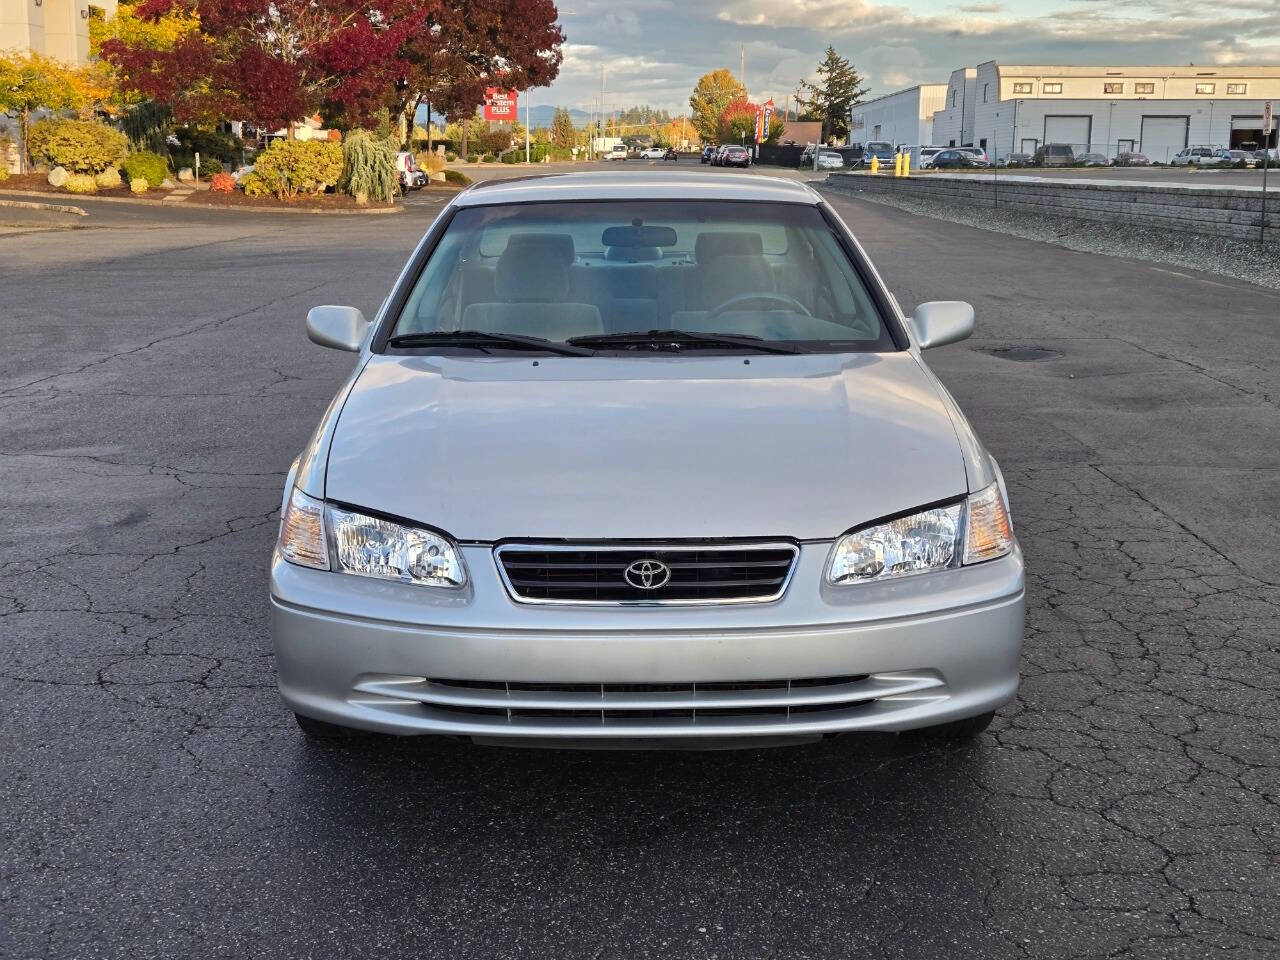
(202, 206)
(33, 205)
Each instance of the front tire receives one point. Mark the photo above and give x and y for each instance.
(956, 730)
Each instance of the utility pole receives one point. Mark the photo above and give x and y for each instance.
(742, 67)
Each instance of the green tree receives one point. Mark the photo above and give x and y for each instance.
(562, 134)
(713, 92)
(30, 81)
(829, 99)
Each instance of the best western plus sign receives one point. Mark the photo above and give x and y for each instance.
(501, 104)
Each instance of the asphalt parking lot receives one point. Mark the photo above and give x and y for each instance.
(159, 802)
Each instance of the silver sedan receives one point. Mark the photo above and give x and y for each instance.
(644, 459)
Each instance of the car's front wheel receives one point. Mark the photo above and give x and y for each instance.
(965, 729)
(329, 732)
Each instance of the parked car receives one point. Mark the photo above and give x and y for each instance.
(926, 156)
(806, 155)
(978, 153)
(955, 159)
(1131, 159)
(1054, 155)
(1015, 160)
(1092, 160)
(1236, 157)
(652, 153)
(830, 160)
(735, 156)
(1195, 157)
(530, 517)
(882, 150)
(707, 151)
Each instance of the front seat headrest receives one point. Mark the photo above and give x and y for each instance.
(531, 272)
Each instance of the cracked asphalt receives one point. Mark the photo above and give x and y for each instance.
(159, 802)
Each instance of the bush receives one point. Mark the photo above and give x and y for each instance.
(145, 165)
(450, 156)
(139, 185)
(82, 146)
(511, 157)
(486, 158)
(368, 168)
(473, 158)
(291, 167)
(81, 183)
(4, 169)
(108, 179)
(456, 176)
(210, 144)
(430, 162)
(222, 183)
(254, 186)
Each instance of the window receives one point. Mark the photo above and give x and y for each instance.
(983, 144)
(1113, 88)
(985, 88)
(1023, 87)
(1205, 87)
(1141, 88)
(1238, 88)
(953, 98)
(567, 269)
(1051, 88)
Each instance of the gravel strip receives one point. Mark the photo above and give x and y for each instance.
(1219, 255)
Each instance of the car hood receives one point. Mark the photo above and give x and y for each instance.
(802, 446)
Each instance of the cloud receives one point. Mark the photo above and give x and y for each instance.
(654, 50)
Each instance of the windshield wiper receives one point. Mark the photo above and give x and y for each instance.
(658, 338)
(480, 338)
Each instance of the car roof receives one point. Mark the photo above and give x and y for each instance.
(657, 185)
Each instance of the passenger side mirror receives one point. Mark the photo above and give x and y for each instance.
(342, 328)
(940, 322)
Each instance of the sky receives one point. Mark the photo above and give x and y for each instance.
(653, 51)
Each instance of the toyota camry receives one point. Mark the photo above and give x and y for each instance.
(644, 459)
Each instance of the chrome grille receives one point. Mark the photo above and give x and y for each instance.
(696, 573)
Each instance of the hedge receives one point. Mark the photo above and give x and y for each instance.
(291, 167)
(145, 165)
(80, 146)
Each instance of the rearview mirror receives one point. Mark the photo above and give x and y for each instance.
(342, 328)
(940, 322)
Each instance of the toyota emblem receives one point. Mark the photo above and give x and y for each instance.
(647, 574)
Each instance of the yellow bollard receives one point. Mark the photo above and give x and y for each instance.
(897, 164)
(875, 164)
(906, 164)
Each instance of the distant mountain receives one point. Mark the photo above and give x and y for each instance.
(539, 115)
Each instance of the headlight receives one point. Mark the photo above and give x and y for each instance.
(373, 547)
(939, 538)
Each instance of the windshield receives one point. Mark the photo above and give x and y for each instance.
(773, 271)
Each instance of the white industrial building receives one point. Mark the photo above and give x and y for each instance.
(1153, 110)
(902, 117)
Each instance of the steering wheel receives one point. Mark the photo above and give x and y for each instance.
(733, 303)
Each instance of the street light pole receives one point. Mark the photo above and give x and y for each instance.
(527, 98)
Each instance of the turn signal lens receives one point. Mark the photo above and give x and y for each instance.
(988, 533)
(302, 532)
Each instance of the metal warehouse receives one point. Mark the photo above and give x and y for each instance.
(1158, 111)
(902, 117)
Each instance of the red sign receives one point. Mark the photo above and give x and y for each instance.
(502, 105)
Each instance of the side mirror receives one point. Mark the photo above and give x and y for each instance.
(342, 328)
(940, 322)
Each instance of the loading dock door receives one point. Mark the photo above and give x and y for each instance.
(1163, 137)
(1072, 130)
(1246, 130)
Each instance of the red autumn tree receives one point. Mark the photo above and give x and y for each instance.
(276, 61)
(738, 121)
(473, 44)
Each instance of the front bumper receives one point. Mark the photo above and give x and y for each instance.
(410, 660)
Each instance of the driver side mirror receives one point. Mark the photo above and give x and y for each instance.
(940, 322)
(342, 328)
